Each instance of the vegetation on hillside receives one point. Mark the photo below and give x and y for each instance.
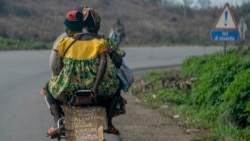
(14, 44)
(147, 22)
(210, 93)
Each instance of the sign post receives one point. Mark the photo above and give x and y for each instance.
(242, 28)
(225, 29)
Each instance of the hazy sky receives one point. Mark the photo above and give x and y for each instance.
(219, 3)
(222, 2)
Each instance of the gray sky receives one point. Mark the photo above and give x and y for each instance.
(222, 2)
(219, 3)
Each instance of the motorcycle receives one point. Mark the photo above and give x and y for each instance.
(83, 120)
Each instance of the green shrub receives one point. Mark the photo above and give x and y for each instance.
(219, 100)
(214, 73)
(12, 44)
(236, 99)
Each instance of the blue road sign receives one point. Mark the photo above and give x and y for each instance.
(223, 35)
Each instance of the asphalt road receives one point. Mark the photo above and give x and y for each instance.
(23, 112)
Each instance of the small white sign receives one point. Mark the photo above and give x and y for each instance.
(242, 28)
(226, 21)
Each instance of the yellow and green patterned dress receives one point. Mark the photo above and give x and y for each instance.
(80, 66)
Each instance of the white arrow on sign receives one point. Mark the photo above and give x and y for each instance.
(226, 21)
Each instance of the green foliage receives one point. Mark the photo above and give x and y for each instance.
(219, 101)
(222, 83)
(161, 97)
(11, 44)
(157, 94)
(222, 91)
(237, 97)
(196, 65)
(214, 79)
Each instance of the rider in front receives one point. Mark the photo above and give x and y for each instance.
(117, 32)
(83, 65)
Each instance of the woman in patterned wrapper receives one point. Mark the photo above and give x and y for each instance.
(85, 65)
(92, 22)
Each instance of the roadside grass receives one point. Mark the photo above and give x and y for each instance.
(210, 93)
(12, 44)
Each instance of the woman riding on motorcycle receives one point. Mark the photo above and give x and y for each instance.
(84, 65)
(92, 25)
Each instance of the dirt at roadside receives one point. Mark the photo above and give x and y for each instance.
(142, 123)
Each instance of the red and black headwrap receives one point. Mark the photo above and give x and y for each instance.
(74, 20)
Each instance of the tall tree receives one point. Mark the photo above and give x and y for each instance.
(204, 3)
(186, 6)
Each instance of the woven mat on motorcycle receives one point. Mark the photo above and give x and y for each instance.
(85, 123)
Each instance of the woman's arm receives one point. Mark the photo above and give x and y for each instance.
(101, 71)
(55, 59)
(55, 63)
